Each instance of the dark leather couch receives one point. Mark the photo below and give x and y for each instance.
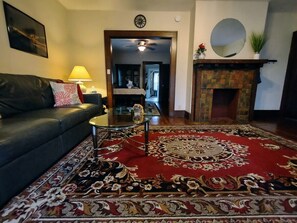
(34, 135)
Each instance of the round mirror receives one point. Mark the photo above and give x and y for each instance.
(228, 37)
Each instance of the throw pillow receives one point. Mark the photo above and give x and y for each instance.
(80, 94)
(65, 94)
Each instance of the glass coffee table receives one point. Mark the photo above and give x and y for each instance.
(114, 120)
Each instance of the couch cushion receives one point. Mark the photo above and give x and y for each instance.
(90, 109)
(20, 93)
(20, 135)
(67, 116)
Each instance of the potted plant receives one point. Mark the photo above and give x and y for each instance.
(257, 41)
(200, 52)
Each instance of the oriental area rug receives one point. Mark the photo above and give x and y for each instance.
(197, 173)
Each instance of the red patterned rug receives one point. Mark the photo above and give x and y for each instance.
(205, 173)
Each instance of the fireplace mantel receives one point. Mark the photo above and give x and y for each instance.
(231, 63)
(212, 75)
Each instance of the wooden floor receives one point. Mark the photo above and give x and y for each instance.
(275, 126)
(272, 125)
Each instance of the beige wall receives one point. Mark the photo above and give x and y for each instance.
(252, 14)
(279, 30)
(190, 65)
(76, 37)
(87, 38)
(53, 16)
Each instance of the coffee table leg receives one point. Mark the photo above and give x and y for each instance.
(146, 136)
(94, 137)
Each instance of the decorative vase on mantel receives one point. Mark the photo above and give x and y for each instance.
(257, 56)
(195, 56)
(201, 55)
(257, 41)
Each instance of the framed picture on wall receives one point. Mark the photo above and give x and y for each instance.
(24, 32)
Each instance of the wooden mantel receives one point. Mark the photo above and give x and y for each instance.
(214, 63)
(211, 76)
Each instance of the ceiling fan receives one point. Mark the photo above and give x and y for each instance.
(144, 44)
(141, 44)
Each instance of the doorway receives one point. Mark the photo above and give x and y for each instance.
(157, 79)
(151, 72)
(172, 36)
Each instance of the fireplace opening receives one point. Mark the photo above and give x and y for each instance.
(224, 104)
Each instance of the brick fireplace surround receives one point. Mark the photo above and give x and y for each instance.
(224, 89)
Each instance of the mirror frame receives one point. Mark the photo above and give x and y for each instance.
(228, 37)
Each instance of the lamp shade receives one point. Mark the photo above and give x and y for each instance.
(141, 48)
(79, 73)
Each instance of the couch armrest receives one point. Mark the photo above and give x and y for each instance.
(94, 99)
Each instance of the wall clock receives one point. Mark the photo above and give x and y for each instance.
(140, 21)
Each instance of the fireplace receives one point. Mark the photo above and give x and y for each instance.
(224, 104)
(224, 89)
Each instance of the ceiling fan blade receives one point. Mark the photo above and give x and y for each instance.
(132, 45)
(150, 48)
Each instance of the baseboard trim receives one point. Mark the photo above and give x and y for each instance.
(266, 115)
(187, 115)
(179, 114)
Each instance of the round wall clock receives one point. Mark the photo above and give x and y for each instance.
(140, 21)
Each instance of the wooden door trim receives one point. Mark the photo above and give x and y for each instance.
(109, 34)
(288, 86)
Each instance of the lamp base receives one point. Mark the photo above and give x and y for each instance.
(82, 86)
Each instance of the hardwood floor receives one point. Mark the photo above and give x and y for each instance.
(275, 126)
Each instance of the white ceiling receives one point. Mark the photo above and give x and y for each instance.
(283, 5)
(120, 5)
(160, 5)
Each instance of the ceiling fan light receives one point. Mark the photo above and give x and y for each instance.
(141, 48)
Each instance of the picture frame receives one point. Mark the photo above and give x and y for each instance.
(24, 32)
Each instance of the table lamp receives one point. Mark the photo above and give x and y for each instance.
(80, 74)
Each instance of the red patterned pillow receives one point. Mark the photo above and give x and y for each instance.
(80, 94)
(65, 94)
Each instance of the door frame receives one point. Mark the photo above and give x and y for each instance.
(109, 34)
